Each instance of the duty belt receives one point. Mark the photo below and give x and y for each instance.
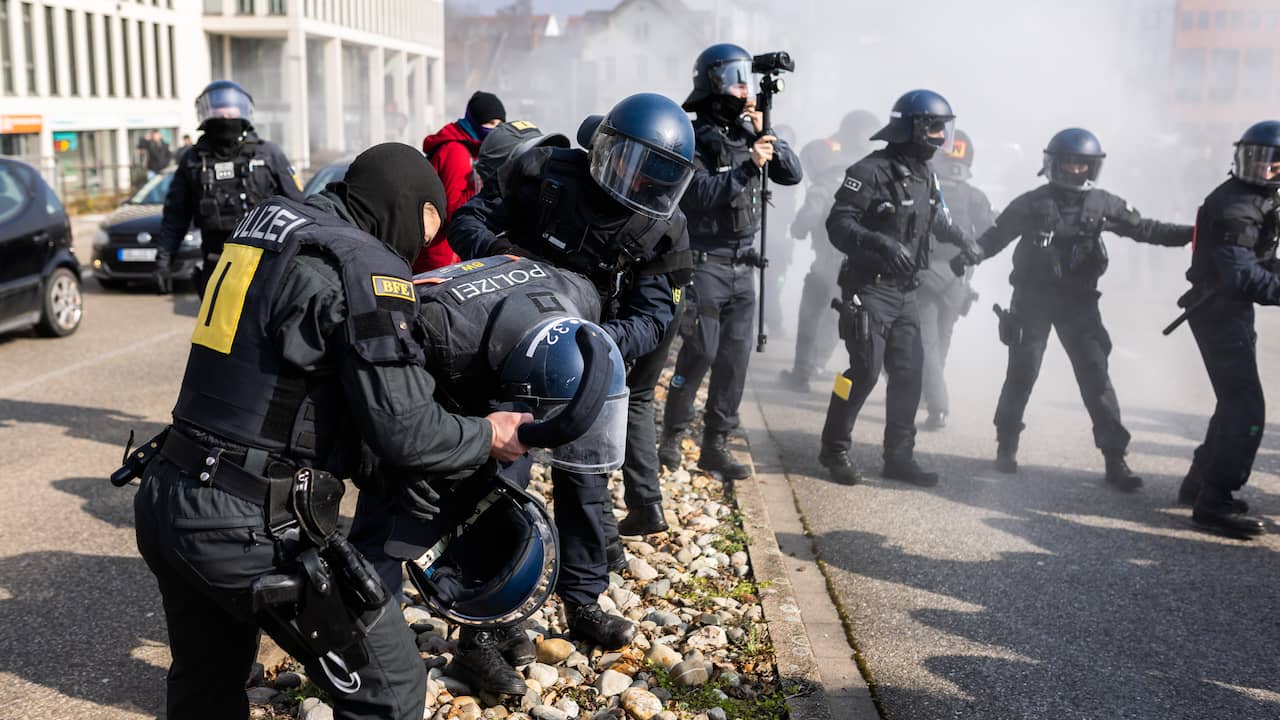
(224, 470)
(747, 257)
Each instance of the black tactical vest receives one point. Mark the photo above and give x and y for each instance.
(610, 250)
(475, 311)
(739, 221)
(227, 187)
(237, 387)
(1066, 241)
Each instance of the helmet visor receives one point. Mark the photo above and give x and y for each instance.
(224, 102)
(642, 178)
(731, 78)
(1078, 172)
(1257, 164)
(936, 130)
(601, 449)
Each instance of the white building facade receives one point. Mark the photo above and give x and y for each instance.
(81, 81)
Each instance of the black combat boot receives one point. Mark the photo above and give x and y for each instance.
(592, 624)
(480, 664)
(669, 451)
(1007, 455)
(717, 458)
(935, 421)
(906, 469)
(1119, 476)
(794, 380)
(840, 467)
(1190, 490)
(515, 644)
(644, 520)
(615, 556)
(1214, 511)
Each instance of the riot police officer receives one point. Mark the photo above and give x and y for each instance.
(944, 297)
(885, 211)
(723, 207)
(228, 171)
(609, 213)
(1233, 266)
(309, 345)
(1056, 267)
(824, 161)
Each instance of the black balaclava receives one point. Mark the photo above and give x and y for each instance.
(225, 133)
(915, 151)
(723, 109)
(384, 191)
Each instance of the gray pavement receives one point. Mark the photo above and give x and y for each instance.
(1046, 594)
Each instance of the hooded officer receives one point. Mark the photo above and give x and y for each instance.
(885, 211)
(307, 345)
(944, 297)
(824, 161)
(1056, 267)
(723, 206)
(610, 213)
(228, 171)
(1233, 266)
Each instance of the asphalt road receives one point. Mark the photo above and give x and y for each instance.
(1046, 594)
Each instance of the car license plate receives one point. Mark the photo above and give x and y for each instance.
(137, 254)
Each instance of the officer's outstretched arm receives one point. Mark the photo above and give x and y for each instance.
(179, 207)
(1010, 225)
(1123, 219)
(474, 228)
(645, 312)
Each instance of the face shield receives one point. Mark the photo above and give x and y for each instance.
(1257, 165)
(228, 102)
(1074, 172)
(936, 130)
(732, 78)
(646, 180)
(601, 449)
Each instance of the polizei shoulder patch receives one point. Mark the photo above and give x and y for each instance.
(393, 287)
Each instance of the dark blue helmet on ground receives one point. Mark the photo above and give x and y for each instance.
(920, 117)
(1073, 159)
(569, 372)
(492, 556)
(224, 100)
(717, 71)
(1257, 157)
(957, 163)
(642, 153)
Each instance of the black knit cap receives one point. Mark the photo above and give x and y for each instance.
(483, 107)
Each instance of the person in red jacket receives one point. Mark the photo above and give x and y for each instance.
(451, 151)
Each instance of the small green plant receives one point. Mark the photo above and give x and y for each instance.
(770, 705)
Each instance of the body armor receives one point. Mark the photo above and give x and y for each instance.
(1067, 241)
(740, 219)
(227, 187)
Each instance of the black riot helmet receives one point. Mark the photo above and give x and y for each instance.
(224, 100)
(642, 153)
(957, 163)
(721, 83)
(1257, 159)
(1073, 159)
(922, 118)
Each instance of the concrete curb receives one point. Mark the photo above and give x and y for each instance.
(815, 661)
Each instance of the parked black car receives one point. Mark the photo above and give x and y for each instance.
(124, 248)
(39, 276)
(333, 172)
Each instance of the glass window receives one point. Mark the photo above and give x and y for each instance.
(1222, 74)
(1202, 20)
(109, 47)
(1256, 81)
(29, 44)
(128, 62)
(1187, 20)
(52, 54)
(275, 7)
(217, 58)
(212, 7)
(91, 54)
(72, 67)
(13, 190)
(1237, 20)
(1220, 19)
(1188, 71)
(173, 67)
(142, 59)
(6, 52)
(159, 66)
(244, 7)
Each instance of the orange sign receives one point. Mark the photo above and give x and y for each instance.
(20, 124)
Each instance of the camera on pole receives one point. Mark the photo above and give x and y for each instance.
(770, 66)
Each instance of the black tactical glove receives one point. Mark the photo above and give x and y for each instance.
(164, 271)
(418, 498)
(966, 258)
(897, 258)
